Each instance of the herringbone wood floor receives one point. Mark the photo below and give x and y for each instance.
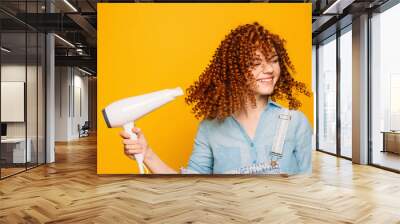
(69, 191)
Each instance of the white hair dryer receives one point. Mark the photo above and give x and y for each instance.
(124, 112)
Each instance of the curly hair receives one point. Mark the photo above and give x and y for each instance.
(226, 85)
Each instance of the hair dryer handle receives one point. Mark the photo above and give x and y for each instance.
(139, 157)
(128, 128)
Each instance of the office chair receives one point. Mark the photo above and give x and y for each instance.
(84, 130)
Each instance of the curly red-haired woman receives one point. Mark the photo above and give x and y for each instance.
(243, 129)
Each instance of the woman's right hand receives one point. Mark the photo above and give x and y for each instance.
(152, 161)
(132, 147)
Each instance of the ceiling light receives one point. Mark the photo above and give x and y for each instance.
(84, 71)
(70, 5)
(337, 7)
(5, 50)
(64, 40)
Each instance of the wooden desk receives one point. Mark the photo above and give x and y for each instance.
(391, 141)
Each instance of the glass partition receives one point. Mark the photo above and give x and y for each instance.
(13, 103)
(22, 88)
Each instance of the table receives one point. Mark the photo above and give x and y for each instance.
(391, 141)
(17, 150)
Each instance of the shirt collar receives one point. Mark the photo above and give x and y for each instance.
(269, 104)
(272, 104)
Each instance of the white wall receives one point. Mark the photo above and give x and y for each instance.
(71, 93)
(80, 105)
(61, 103)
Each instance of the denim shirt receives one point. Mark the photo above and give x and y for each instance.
(224, 147)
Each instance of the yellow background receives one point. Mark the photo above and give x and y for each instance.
(145, 47)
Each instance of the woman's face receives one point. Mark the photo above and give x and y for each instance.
(266, 72)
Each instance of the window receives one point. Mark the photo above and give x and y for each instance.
(346, 93)
(327, 96)
(385, 88)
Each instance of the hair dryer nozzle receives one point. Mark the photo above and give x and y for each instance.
(177, 91)
(106, 118)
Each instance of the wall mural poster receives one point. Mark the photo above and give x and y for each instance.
(204, 88)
